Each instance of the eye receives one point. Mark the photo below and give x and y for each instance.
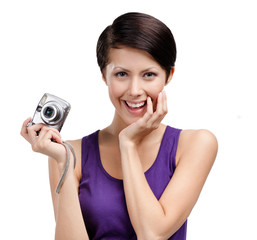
(149, 75)
(121, 74)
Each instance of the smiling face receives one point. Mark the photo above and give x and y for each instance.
(131, 76)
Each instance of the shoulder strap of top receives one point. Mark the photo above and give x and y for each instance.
(172, 138)
(88, 142)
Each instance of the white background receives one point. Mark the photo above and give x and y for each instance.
(49, 46)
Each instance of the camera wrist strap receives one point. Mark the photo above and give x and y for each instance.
(67, 147)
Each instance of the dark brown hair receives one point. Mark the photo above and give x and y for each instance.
(141, 31)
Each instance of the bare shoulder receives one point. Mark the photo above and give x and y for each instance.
(76, 145)
(197, 142)
(202, 136)
(195, 156)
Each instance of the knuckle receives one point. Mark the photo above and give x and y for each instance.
(159, 114)
(150, 114)
(44, 128)
(34, 148)
(141, 125)
(38, 146)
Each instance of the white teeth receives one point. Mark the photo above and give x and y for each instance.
(135, 105)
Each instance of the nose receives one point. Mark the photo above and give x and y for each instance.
(135, 88)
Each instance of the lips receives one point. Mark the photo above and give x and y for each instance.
(135, 108)
(135, 104)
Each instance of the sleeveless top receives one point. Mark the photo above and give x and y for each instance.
(102, 197)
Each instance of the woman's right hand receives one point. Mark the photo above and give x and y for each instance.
(43, 142)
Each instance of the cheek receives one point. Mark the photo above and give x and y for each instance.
(115, 91)
(153, 94)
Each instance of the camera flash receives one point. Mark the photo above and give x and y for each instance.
(43, 100)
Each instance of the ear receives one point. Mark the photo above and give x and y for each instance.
(170, 76)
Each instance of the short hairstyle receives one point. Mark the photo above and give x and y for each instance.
(140, 31)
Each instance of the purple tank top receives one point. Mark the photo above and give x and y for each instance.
(102, 198)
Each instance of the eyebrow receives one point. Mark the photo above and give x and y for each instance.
(121, 68)
(126, 70)
(150, 69)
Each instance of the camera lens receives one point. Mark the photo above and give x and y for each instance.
(48, 112)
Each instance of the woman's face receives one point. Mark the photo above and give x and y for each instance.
(131, 76)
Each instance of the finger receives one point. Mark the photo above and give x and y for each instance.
(56, 136)
(162, 108)
(34, 129)
(24, 131)
(51, 134)
(149, 105)
(26, 122)
(164, 102)
(149, 110)
(159, 108)
(160, 112)
(43, 143)
(46, 128)
(159, 103)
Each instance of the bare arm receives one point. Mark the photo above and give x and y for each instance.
(153, 219)
(68, 215)
(69, 221)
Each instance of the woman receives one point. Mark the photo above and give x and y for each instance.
(137, 178)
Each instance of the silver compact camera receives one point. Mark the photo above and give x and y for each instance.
(52, 111)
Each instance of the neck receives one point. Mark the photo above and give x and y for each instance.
(116, 126)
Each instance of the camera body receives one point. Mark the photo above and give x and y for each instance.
(51, 111)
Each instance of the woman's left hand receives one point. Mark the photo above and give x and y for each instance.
(151, 120)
